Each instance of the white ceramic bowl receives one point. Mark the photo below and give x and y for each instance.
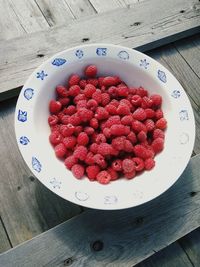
(136, 69)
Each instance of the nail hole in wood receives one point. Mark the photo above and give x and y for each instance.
(81, 9)
(136, 23)
(40, 55)
(97, 245)
(32, 178)
(182, 11)
(18, 188)
(192, 194)
(85, 40)
(68, 262)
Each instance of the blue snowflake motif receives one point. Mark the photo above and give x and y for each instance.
(41, 75)
(28, 93)
(81, 196)
(184, 138)
(176, 94)
(110, 200)
(79, 53)
(183, 115)
(24, 140)
(58, 62)
(22, 115)
(37, 166)
(55, 183)
(144, 63)
(101, 51)
(123, 55)
(162, 76)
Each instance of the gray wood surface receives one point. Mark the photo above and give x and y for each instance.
(162, 24)
(4, 240)
(123, 238)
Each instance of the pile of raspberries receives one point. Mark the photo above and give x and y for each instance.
(104, 129)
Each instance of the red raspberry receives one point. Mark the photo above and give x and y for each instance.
(55, 127)
(106, 132)
(60, 150)
(70, 110)
(103, 177)
(139, 164)
(73, 80)
(99, 159)
(128, 147)
(111, 109)
(118, 142)
(157, 145)
(67, 130)
(130, 175)
(83, 139)
(113, 174)
(70, 161)
(94, 148)
(101, 113)
(79, 97)
(112, 120)
(80, 152)
(132, 137)
(64, 101)
(132, 90)
(89, 90)
(55, 106)
(150, 113)
(85, 114)
(141, 92)
(122, 91)
(52, 120)
(141, 152)
(161, 124)
(94, 123)
(100, 138)
(157, 100)
(114, 102)
(82, 83)
(112, 90)
(55, 138)
(93, 81)
(74, 90)
(146, 102)
(117, 165)
(123, 109)
(138, 126)
(60, 115)
(92, 172)
(105, 149)
(159, 114)
(78, 130)
(69, 142)
(136, 100)
(142, 136)
(61, 91)
(78, 171)
(81, 104)
(109, 81)
(91, 71)
(89, 158)
(105, 99)
(89, 130)
(100, 80)
(150, 125)
(118, 130)
(157, 133)
(65, 119)
(126, 102)
(139, 114)
(127, 120)
(128, 165)
(92, 104)
(149, 164)
(97, 96)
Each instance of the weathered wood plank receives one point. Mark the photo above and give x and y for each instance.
(104, 5)
(27, 207)
(124, 237)
(165, 21)
(4, 241)
(80, 8)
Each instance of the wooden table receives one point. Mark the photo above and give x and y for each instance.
(59, 232)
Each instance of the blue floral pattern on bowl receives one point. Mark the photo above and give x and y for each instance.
(55, 183)
(123, 55)
(184, 138)
(101, 51)
(162, 76)
(82, 196)
(58, 62)
(79, 53)
(144, 63)
(110, 200)
(22, 115)
(24, 140)
(41, 75)
(37, 166)
(28, 93)
(176, 94)
(183, 115)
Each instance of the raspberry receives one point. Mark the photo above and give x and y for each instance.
(128, 165)
(109, 81)
(70, 110)
(127, 120)
(82, 139)
(69, 142)
(92, 172)
(150, 113)
(55, 138)
(55, 106)
(118, 130)
(91, 71)
(78, 171)
(85, 114)
(146, 102)
(92, 104)
(103, 177)
(139, 114)
(142, 136)
(60, 150)
(112, 120)
(118, 142)
(132, 137)
(114, 102)
(105, 99)
(82, 83)
(74, 90)
(106, 132)
(100, 138)
(55, 127)
(105, 149)
(128, 147)
(89, 90)
(159, 114)
(132, 90)
(97, 96)
(93, 81)
(65, 119)
(158, 145)
(78, 130)
(138, 126)
(94, 148)
(122, 91)
(100, 80)
(52, 120)
(61, 91)
(70, 161)
(64, 101)
(139, 164)
(112, 90)
(157, 100)
(89, 160)
(157, 133)
(117, 165)
(130, 175)
(111, 109)
(123, 109)
(73, 80)
(141, 152)
(89, 130)
(141, 92)
(79, 97)
(126, 102)
(67, 130)
(94, 123)
(80, 152)
(99, 159)
(136, 100)
(161, 124)
(101, 113)
(81, 104)
(113, 174)
(150, 125)
(149, 164)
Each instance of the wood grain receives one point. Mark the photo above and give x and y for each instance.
(27, 207)
(119, 27)
(122, 238)
(102, 6)
(4, 241)
(80, 8)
